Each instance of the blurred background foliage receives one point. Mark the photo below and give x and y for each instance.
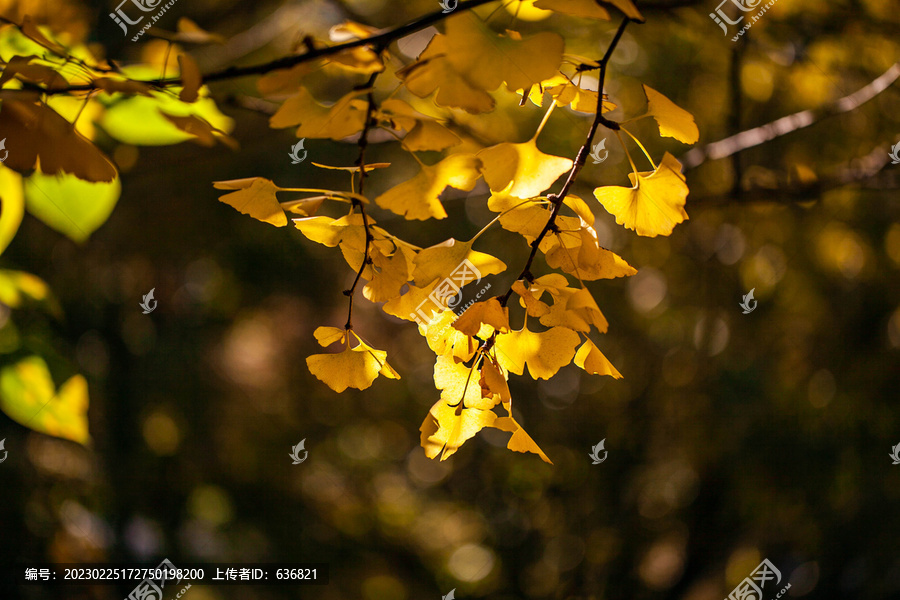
(732, 437)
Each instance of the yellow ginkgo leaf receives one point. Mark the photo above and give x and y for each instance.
(444, 259)
(575, 250)
(673, 120)
(487, 59)
(29, 396)
(285, 81)
(389, 274)
(655, 205)
(432, 72)
(520, 440)
(544, 352)
(488, 312)
(583, 304)
(528, 220)
(445, 340)
(20, 287)
(419, 198)
(360, 59)
(589, 9)
(573, 308)
(528, 169)
(353, 367)
(446, 428)
(326, 336)
(414, 304)
(594, 362)
(493, 382)
(533, 306)
(566, 93)
(343, 119)
(580, 208)
(459, 383)
(423, 133)
(254, 196)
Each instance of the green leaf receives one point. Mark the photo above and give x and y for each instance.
(29, 396)
(12, 205)
(71, 206)
(17, 287)
(137, 120)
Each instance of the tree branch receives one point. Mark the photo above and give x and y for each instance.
(557, 199)
(867, 171)
(783, 126)
(357, 204)
(381, 40)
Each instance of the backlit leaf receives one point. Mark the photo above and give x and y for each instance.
(655, 205)
(419, 198)
(446, 428)
(673, 120)
(254, 196)
(459, 383)
(355, 367)
(529, 170)
(12, 205)
(544, 352)
(487, 59)
(139, 120)
(343, 119)
(442, 259)
(594, 362)
(29, 396)
(71, 206)
(520, 440)
(434, 72)
(488, 312)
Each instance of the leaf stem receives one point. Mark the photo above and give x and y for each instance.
(638, 142)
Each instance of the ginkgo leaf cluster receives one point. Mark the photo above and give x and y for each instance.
(546, 320)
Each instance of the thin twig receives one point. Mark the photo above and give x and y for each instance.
(580, 159)
(363, 143)
(382, 40)
(783, 126)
